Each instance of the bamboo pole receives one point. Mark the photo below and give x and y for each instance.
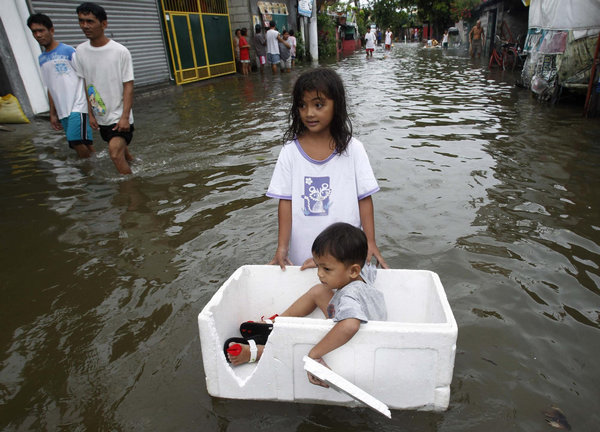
(591, 82)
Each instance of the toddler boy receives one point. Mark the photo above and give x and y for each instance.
(345, 294)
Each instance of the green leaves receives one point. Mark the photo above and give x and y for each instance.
(390, 13)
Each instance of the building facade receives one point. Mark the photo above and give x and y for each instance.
(169, 40)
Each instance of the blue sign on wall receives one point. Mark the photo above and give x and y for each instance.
(305, 7)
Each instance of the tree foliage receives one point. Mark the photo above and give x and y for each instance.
(326, 35)
(324, 3)
(390, 13)
(398, 14)
(462, 9)
(437, 12)
(362, 20)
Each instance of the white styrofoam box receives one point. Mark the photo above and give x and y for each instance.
(406, 362)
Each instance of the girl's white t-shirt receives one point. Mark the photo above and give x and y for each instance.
(322, 192)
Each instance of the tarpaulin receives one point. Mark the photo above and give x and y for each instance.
(581, 16)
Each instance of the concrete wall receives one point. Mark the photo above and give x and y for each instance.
(240, 16)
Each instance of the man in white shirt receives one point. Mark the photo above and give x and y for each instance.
(66, 93)
(369, 42)
(107, 69)
(273, 39)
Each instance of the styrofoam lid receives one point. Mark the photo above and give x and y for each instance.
(343, 385)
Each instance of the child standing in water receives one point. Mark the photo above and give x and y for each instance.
(292, 41)
(370, 40)
(323, 174)
(244, 52)
(285, 52)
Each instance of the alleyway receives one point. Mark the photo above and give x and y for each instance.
(103, 277)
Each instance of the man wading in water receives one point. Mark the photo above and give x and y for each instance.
(107, 69)
(476, 36)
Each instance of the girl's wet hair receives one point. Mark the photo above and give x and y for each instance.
(344, 242)
(328, 83)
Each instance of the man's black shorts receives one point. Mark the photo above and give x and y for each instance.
(107, 132)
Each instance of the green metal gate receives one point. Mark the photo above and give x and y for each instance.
(199, 36)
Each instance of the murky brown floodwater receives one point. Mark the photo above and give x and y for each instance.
(103, 277)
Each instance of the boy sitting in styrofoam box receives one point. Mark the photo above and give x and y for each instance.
(346, 294)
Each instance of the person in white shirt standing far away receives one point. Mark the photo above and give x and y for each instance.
(369, 42)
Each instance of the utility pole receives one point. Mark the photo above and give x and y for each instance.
(313, 34)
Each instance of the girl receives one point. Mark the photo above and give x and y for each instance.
(293, 43)
(322, 174)
(244, 52)
(388, 39)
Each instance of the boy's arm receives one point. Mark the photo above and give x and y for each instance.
(56, 125)
(341, 333)
(123, 123)
(284, 216)
(367, 220)
(280, 39)
(91, 117)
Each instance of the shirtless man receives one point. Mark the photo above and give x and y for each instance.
(476, 36)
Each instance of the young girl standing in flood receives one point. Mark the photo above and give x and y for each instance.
(323, 174)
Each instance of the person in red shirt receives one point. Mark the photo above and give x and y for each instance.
(244, 52)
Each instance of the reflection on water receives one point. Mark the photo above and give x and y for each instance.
(104, 276)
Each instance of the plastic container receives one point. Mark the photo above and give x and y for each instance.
(406, 362)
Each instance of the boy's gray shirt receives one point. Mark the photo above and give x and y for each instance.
(284, 52)
(359, 300)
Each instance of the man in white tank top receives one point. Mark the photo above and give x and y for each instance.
(273, 39)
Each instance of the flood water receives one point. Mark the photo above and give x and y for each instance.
(103, 277)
